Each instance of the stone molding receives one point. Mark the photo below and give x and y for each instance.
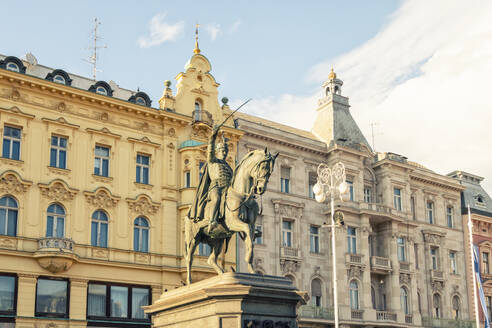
(288, 209)
(101, 197)
(433, 237)
(57, 190)
(12, 183)
(143, 204)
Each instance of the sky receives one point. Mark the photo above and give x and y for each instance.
(418, 71)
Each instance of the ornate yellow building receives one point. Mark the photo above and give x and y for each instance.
(94, 187)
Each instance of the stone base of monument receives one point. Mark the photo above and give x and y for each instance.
(231, 300)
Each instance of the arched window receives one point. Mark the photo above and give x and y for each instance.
(99, 229)
(354, 295)
(59, 79)
(404, 300)
(55, 225)
(140, 101)
(198, 106)
(436, 304)
(102, 91)
(456, 307)
(141, 235)
(13, 67)
(316, 292)
(8, 216)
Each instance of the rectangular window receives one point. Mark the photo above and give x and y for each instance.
(350, 187)
(187, 179)
(312, 181)
(416, 251)
(401, 249)
(452, 262)
(285, 179)
(351, 240)
(143, 167)
(107, 302)
(7, 294)
(434, 258)
(397, 199)
(204, 249)
(52, 298)
(11, 143)
(259, 227)
(101, 161)
(430, 212)
(287, 233)
(449, 216)
(368, 194)
(314, 239)
(58, 152)
(412, 207)
(485, 263)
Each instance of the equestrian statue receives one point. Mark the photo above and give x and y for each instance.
(225, 202)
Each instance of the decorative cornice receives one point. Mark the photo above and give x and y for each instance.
(101, 197)
(143, 204)
(104, 131)
(12, 183)
(16, 111)
(61, 121)
(144, 140)
(57, 190)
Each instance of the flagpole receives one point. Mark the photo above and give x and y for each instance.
(475, 301)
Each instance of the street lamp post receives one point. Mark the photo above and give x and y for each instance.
(331, 182)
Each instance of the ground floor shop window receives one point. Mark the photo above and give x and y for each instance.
(106, 301)
(52, 298)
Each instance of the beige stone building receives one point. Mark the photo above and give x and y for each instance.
(94, 186)
(400, 254)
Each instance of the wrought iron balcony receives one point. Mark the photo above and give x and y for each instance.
(385, 316)
(380, 264)
(202, 116)
(55, 254)
(316, 312)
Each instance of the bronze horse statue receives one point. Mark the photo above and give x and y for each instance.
(250, 178)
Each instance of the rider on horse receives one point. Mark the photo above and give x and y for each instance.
(213, 185)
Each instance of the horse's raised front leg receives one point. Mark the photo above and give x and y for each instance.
(212, 259)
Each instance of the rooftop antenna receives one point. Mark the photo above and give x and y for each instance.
(93, 58)
(373, 125)
(197, 48)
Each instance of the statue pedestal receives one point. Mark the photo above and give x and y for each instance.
(231, 300)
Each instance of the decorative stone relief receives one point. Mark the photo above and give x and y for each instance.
(101, 197)
(317, 270)
(170, 148)
(62, 107)
(143, 205)
(57, 190)
(432, 237)
(354, 272)
(171, 132)
(437, 285)
(15, 95)
(8, 242)
(289, 265)
(405, 278)
(292, 210)
(11, 183)
(257, 264)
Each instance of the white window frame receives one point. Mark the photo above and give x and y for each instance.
(429, 208)
(141, 166)
(287, 234)
(367, 194)
(352, 241)
(452, 262)
(397, 199)
(314, 240)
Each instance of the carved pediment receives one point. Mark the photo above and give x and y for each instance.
(12, 183)
(144, 140)
(142, 204)
(433, 237)
(101, 197)
(288, 209)
(57, 190)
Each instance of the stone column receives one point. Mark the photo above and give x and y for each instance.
(26, 294)
(78, 299)
(369, 312)
(393, 285)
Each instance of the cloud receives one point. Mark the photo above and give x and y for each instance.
(161, 31)
(234, 27)
(425, 79)
(214, 30)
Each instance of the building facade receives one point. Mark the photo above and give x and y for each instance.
(94, 187)
(400, 255)
(481, 217)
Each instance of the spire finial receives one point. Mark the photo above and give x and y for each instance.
(197, 49)
(332, 74)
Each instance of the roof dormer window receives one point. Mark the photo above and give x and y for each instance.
(140, 98)
(140, 101)
(101, 91)
(13, 67)
(59, 79)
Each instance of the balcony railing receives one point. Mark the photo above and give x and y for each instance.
(352, 258)
(437, 275)
(447, 323)
(356, 314)
(379, 263)
(385, 316)
(61, 244)
(316, 312)
(408, 318)
(202, 116)
(289, 252)
(404, 266)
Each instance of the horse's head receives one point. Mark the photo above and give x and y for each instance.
(261, 172)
